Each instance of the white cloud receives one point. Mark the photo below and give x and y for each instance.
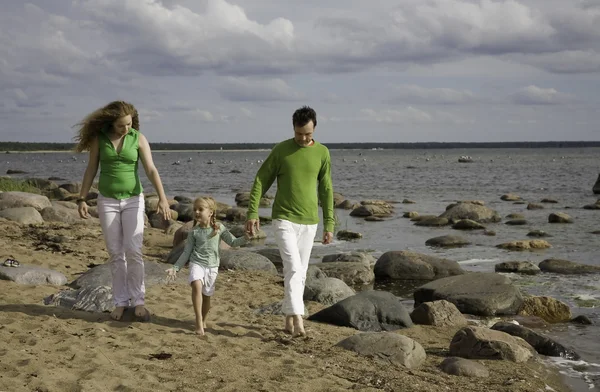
(247, 112)
(533, 95)
(397, 116)
(204, 115)
(247, 89)
(418, 94)
(411, 115)
(568, 61)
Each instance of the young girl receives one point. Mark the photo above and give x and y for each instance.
(202, 251)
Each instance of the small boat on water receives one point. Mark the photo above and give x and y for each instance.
(465, 159)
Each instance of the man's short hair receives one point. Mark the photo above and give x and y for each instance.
(303, 115)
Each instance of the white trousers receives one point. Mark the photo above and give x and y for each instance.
(295, 242)
(122, 224)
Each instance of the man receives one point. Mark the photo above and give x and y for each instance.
(298, 164)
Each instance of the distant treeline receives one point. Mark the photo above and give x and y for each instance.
(22, 146)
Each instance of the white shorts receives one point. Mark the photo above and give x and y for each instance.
(206, 275)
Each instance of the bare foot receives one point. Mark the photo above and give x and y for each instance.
(289, 325)
(140, 311)
(298, 326)
(117, 314)
(199, 331)
(204, 325)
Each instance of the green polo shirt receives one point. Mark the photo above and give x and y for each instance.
(119, 178)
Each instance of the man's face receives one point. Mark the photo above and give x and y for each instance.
(304, 135)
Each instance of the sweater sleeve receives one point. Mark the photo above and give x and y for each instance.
(262, 182)
(326, 194)
(230, 238)
(187, 251)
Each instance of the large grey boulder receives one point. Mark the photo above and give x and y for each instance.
(351, 257)
(484, 343)
(185, 211)
(559, 217)
(485, 294)
(567, 267)
(518, 267)
(101, 276)
(541, 343)
(272, 254)
(32, 275)
(41, 183)
(463, 367)
(367, 311)
(547, 308)
(357, 273)
(406, 265)
(393, 348)
(182, 233)
(276, 309)
(474, 212)
(439, 313)
(245, 261)
(23, 199)
(22, 215)
(467, 224)
(327, 291)
(59, 213)
(89, 299)
(447, 241)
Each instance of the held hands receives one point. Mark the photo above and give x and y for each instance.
(252, 227)
(164, 209)
(327, 237)
(171, 275)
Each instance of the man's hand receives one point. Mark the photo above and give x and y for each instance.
(327, 237)
(252, 227)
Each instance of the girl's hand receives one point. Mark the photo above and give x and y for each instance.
(163, 208)
(171, 275)
(248, 236)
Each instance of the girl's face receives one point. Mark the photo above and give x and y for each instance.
(202, 213)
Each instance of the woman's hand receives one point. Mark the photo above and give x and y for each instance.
(171, 275)
(164, 209)
(82, 208)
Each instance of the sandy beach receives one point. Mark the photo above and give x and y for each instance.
(47, 348)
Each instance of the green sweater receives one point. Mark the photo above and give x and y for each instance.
(298, 170)
(119, 177)
(201, 248)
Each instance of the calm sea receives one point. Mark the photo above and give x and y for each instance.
(433, 179)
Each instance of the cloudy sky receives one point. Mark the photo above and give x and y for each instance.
(234, 71)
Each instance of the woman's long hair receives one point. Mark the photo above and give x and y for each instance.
(93, 123)
(211, 204)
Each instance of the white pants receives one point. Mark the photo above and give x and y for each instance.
(122, 224)
(295, 242)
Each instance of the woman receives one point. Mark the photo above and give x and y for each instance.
(111, 134)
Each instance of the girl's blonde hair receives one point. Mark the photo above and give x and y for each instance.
(92, 124)
(211, 204)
